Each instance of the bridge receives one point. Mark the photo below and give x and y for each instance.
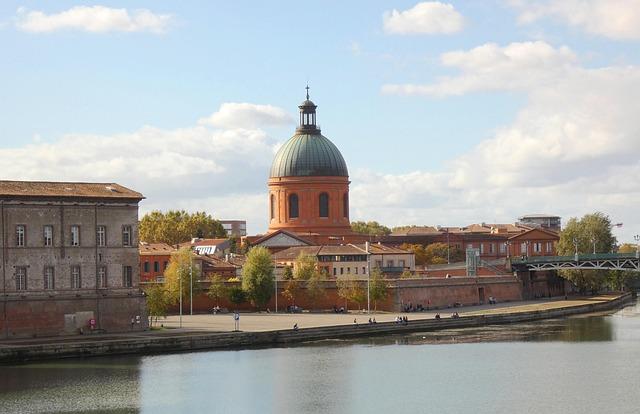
(608, 261)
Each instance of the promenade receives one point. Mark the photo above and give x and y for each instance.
(207, 332)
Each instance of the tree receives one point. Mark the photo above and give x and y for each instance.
(257, 276)
(217, 289)
(292, 285)
(181, 267)
(619, 279)
(178, 226)
(157, 303)
(378, 287)
(434, 253)
(591, 231)
(372, 228)
(315, 286)
(236, 295)
(418, 250)
(406, 274)
(350, 289)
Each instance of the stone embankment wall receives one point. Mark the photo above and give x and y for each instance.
(438, 292)
(235, 340)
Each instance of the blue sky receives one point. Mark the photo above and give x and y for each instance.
(426, 133)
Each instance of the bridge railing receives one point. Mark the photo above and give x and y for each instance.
(549, 259)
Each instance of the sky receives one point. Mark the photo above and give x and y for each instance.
(447, 113)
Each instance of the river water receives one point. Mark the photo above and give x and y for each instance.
(585, 364)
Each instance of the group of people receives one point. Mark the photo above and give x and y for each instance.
(338, 309)
(402, 320)
(454, 315)
(418, 308)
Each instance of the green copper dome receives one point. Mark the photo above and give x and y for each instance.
(308, 155)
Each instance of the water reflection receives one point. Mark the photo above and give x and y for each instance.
(581, 364)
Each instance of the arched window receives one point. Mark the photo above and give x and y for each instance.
(273, 206)
(345, 205)
(293, 206)
(324, 204)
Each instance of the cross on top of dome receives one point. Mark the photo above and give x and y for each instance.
(308, 116)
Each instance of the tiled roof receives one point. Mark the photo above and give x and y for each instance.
(147, 249)
(66, 190)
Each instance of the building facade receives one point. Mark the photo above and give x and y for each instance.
(309, 182)
(69, 258)
(234, 228)
(154, 260)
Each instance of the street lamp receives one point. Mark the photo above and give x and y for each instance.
(637, 239)
(366, 247)
(575, 243)
(448, 255)
(180, 279)
(191, 282)
(593, 241)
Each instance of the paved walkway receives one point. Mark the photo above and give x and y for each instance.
(255, 322)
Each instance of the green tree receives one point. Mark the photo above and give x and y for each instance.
(351, 290)
(257, 276)
(292, 285)
(217, 289)
(372, 228)
(178, 226)
(589, 231)
(406, 274)
(315, 286)
(419, 252)
(181, 267)
(378, 287)
(619, 279)
(157, 303)
(436, 253)
(236, 295)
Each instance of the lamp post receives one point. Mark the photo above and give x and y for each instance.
(508, 247)
(575, 243)
(180, 279)
(637, 239)
(448, 248)
(275, 282)
(527, 242)
(366, 246)
(191, 282)
(593, 241)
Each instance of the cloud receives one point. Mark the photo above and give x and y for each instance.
(95, 19)
(217, 170)
(430, 17)
(247, 115)
(489, 67)
(615, 19)
(571, 149)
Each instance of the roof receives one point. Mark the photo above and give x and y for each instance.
(306, 155)
(148, 249)
(292, 253)
(530, 216)
(208, 242)
(66, 190)
(268, 236)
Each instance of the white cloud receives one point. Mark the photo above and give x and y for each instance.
(572, 148)
(96, 19)
(223, 171)
(247, 115)
(429, 17)
(616, 19)
(517, 66)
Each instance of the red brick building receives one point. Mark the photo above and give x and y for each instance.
(154, 259)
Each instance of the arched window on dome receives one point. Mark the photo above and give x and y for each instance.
(323, 201)
(272, 204)
(293, 206)
(345, 205)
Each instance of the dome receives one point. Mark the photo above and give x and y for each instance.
(306, 155)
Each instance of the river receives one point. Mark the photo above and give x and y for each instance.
(584, 364)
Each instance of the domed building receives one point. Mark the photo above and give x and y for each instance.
(309, 182)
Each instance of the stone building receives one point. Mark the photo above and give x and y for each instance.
(309, 182)
(69, 258)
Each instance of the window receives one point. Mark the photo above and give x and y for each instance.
(492, 247)
(481, 248)
(503, 248)
(345, 205)
(127, 276)
(20, 235)
(101, 236)
(272, 206)
(324, 204)
(75, 235)
(356, 269)
(146, 267)
(537, 247)
(49, 280)
(364, 270)
(401, 263)
(335, 271)
(48, 235)
(523, 248)
(342, 270)
(21, 278)
(126, 236)
(549, 247)
(76, 277)
(293, 206)
(389, 263)
(156, 266)
(102, 277)
(165, 264)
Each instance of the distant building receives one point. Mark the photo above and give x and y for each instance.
(154, 259)
(351, 259)
(546, 221)
(69, 258)
(235, 228)
(213, 247)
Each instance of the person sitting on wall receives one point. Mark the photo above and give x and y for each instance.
(295, 326)
(437, 316)
(374, 320)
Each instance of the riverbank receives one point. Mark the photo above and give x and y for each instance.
(166, 341)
